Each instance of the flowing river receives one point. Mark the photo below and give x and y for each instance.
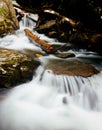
(52, 102)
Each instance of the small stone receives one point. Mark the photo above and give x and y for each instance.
(65, 55)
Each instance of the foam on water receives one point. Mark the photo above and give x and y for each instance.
(33, 106)
(17, 42)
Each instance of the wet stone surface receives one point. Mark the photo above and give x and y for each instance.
(70, 67)
(15, 67)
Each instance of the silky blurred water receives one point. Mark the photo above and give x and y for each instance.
(51, 102)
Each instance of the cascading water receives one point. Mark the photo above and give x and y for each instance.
(50, 102)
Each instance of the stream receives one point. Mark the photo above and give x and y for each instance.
(52, 102)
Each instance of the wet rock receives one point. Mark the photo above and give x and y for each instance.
(79, 39)
(15, 68)
(33, 53)
(65, 55)
(8, 20)
(96, 43)
(70, 67)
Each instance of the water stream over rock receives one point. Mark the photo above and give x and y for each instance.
(51, 101)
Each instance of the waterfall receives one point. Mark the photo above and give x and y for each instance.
(79, 90)
(37, 105)
(49, 101)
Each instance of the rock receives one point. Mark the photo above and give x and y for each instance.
(15, 67)
(64, 55)
(79, 10)
(95, 43)
(79, 39)
(8, 20)
(33, 53)
(70, 67)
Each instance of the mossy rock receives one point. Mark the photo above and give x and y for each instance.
(15, 67)
(8, 19)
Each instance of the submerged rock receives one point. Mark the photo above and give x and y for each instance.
(70, 67)
(15, 67)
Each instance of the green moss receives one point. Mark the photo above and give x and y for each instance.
(3, 22)
(2, 11)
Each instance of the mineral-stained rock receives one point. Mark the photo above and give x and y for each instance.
(8, 20)
(15, 67)
(70, 67)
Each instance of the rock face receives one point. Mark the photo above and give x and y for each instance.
(71, 67)
(15, 68)
(8, 20)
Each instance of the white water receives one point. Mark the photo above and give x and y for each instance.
(50, 102)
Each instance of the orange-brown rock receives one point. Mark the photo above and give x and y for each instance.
(47, 47)
(70, 67)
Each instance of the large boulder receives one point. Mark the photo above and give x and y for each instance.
(8, 20)
(15, 67)
(70, 67)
